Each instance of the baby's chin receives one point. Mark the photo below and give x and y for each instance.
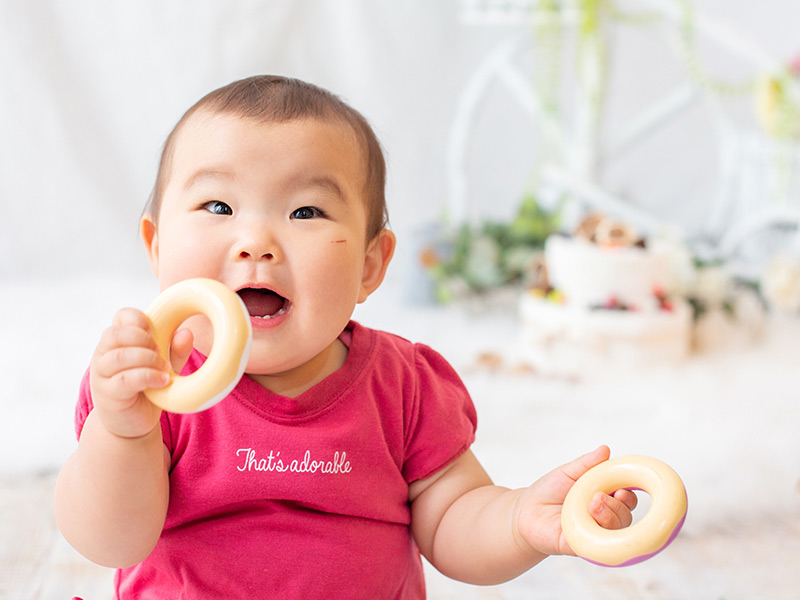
(298, 366)
(266, 361)
(268, 367)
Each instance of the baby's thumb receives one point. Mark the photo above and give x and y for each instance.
(180, 349)
(580, 465)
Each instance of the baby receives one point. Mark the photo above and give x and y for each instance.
(344, 452)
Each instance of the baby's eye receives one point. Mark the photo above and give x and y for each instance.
(218, 208)
(307, 212)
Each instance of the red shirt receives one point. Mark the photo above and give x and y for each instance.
(307, 497)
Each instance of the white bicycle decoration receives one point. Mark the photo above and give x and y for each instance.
(758, 192)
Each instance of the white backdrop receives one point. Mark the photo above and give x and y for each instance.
(91, 88)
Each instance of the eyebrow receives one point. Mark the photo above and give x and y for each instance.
(299, 181)
(324, 182)
(207, 174)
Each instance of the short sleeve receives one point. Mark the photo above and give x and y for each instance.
(442, 418)
(85, 406)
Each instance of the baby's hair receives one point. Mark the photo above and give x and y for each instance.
(275, 99)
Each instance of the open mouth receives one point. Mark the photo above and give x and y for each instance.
(263, 303)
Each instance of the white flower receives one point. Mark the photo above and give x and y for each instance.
(780, 283)
(681, 270)
(482, 262)
(713, 286)
(748, 311)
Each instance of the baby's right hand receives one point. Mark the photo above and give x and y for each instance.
(125, 363)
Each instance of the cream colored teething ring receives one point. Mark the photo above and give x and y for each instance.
(643, 539)
(226, 362)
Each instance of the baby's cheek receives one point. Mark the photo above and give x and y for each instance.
(341, 276)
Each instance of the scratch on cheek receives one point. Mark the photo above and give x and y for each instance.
(338, 241)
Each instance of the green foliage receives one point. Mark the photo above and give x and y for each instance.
(494, 254)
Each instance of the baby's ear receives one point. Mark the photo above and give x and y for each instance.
(376, 261)
(149, 233)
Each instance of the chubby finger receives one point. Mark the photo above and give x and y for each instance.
(130, 382)
(580, 465)
(609, 512)
(126, 334)
(131, 317)
(126, 358)
(180, 349)
(627, 497)
(124, 386)
(126, 363)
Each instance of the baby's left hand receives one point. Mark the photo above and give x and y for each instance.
(538, 512)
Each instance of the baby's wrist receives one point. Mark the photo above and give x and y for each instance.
(520, 540)
(125, 429)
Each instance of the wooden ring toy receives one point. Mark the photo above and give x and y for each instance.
(228, 357)
(642, 540)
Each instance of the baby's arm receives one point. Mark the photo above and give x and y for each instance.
(474, 531)
(112, 494)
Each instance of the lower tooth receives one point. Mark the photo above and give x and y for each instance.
(267, 317)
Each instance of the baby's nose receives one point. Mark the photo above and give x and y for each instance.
(257, 243)
(245, 254)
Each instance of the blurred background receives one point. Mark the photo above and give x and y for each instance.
(678, 119)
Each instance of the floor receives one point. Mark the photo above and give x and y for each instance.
(758, 561)
(35, 561)
(726, 420)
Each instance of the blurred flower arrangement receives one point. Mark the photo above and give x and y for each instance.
(473, 260)
(478, 261)
(777, 102)
(713, 293)
(716, 295)
(725, 307)
(780, 283)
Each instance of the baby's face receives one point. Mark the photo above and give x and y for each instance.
(276, 212)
